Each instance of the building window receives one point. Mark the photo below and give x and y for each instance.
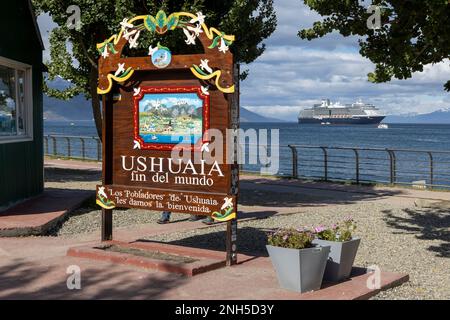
(16, 102)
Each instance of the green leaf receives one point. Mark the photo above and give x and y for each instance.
(99, 21)
(150, 23)
(111, 48)
(172, 21)
(162, 47)
(228, 43)
(199, 70)
(100, 50)
(215, 42)
(403, 40)
(125, 73)
(161, 19)
(219, 215)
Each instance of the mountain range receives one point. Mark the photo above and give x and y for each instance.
(174, 111)
(79, 108)
(441, 116)
(246, 115)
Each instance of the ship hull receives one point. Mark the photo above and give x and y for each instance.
(375, 120)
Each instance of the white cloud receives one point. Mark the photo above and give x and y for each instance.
(189, 101)
(46, 24)
(149, 100)
(293, 74)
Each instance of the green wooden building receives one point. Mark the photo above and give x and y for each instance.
(21, 115)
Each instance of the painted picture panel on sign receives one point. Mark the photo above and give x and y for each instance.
(171, 118)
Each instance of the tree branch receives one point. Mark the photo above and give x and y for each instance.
(83, 46)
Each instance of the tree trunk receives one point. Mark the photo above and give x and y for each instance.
(95, 101)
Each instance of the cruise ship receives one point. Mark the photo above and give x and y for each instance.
(336, 113)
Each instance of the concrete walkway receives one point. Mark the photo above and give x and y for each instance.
(38, 215)
(72, 164)
(37, 268)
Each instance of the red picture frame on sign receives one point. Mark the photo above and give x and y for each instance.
(166, 118)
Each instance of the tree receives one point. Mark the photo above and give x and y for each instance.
(411, 34)
(251, 21)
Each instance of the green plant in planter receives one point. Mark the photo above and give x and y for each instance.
(291, 238)
(338, 232)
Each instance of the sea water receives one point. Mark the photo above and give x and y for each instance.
(434, 137)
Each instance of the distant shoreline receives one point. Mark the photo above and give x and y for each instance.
(284, 122)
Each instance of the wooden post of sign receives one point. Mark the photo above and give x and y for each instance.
(107, 224)
(231, 238)
(231, 242)
(107, 214)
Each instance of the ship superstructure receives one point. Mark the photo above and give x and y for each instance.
(336, 113)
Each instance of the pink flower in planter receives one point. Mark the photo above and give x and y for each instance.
(319, 229)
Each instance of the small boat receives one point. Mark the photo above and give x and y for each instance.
(383, 126)
(325, 123)
(154, 137)
(72, 124)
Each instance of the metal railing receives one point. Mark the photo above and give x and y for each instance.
(75, 147)
(421, 168)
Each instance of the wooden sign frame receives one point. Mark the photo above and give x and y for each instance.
(140, 174)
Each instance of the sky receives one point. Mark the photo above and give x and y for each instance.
(293, 74)
(171, 99)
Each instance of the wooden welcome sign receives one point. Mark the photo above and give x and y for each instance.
(160, 105)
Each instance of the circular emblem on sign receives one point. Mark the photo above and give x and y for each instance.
(162, 57)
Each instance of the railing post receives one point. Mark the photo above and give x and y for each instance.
(99, 149)
(83, 150)
(69, 153)
(356, 165)
(392, 166)
(325, 163)
(54, 145)
(46, 144)
(431, 170)
(266, 155)
(394, 169)
(294, 161)
(239, 156)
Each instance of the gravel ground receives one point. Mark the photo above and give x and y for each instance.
(87, 219)
(395, 237)
(408, 240)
